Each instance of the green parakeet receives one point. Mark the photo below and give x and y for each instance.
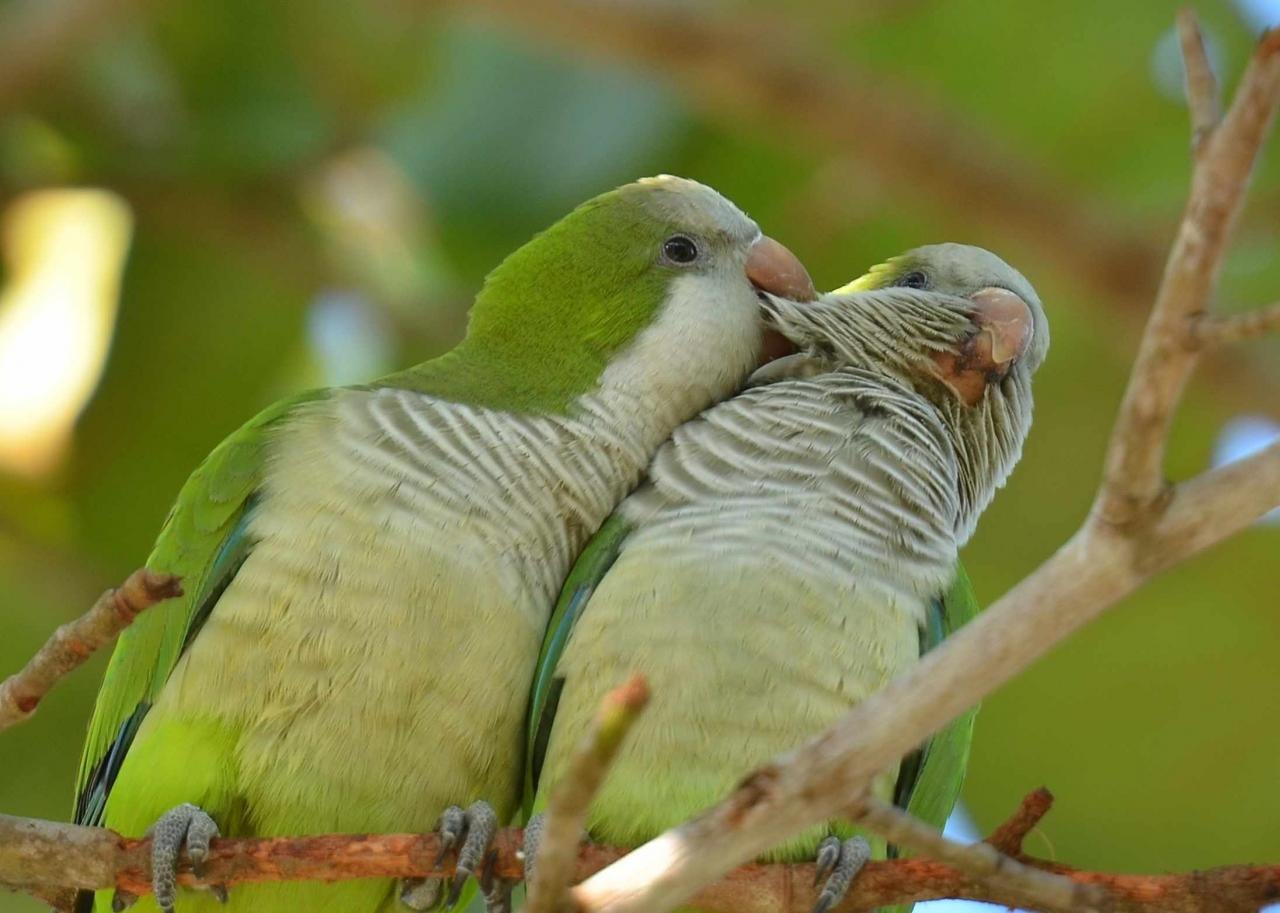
(369, 571)
(795, 547)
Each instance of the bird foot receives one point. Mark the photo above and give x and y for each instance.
(186, 826)
(470, 831)
(497, 891)
(839, 862)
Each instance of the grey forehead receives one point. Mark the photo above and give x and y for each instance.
(697, 206)
(968, 263)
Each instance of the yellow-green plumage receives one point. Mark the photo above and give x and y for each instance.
(755, 592)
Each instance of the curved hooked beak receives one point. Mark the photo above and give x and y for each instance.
(773, 269)
(1005, 327)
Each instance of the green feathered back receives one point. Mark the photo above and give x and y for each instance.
(203, 540)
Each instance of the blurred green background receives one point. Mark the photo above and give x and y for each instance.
(289, 194)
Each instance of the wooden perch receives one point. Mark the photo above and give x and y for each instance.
(77, 640)
(45, 856)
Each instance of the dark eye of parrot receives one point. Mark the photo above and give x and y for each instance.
(680, 249)
(914, 279)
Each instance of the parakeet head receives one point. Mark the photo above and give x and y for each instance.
(650, 289)
(958, 324)
(965, 271)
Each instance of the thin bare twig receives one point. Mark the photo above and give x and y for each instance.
(1202, 87)
(1213, 330)
(1138, 526)
(1214, 505)
(1034, 888)
(76, 641)
(1134, 480)
(1009, 837)
(567, 812)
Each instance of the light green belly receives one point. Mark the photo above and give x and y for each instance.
(745, 662)
(365, 694)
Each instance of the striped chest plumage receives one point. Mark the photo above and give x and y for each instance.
(786, 545)
(405, 548)
(831, 477)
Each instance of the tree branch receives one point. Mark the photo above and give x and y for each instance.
(1134, 477)
(1138, 526)
(1009, 837)
(76, 641)
(1202, 87)
(44, 858)
(983, 861)
(1210, 330)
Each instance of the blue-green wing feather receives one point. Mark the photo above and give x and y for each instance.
(941, 772)
(929, 780)
(578, 588)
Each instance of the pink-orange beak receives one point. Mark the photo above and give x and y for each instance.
(1005, 330)
(774, 269)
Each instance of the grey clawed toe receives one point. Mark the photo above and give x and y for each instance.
(186, 826)
(839, 862)
(471, 832)
(532, 840)
(421, 893)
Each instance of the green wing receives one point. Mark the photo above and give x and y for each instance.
(581, 583)
(204, 540)
(930, 780)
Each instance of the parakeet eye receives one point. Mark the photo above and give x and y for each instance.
(914, 279)
(680, 249)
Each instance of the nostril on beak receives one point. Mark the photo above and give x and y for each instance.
(1005, 325)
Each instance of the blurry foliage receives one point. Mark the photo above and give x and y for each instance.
(275, 156)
